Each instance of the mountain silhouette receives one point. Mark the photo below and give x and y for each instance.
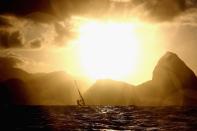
(12, 72)
(173, 83)
(54, 88)
(174, 77)
(110, 92)
(17, 87)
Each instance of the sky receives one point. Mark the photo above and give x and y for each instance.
(44, 35)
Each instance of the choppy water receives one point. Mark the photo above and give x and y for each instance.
(57, 118)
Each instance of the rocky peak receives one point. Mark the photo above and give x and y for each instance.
(172, 75)
(170, 64)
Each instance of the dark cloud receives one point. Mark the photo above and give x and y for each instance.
(32, 8)
(9, 62)
(24, 7)
(163, 10)
(16, 39)
(51, 10)
(4, 22)
(189, 17)
(191, 3)
(36, 44)
(39, 22)
(41, 17)
(11, 39)
(22, 33)
(45, 10)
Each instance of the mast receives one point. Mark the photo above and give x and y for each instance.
(82, 100)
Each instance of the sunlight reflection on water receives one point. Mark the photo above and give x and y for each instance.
(106, 118)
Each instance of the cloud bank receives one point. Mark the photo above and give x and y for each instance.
(36, 24)
(44, 22)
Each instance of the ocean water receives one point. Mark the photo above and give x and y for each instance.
(64, 118)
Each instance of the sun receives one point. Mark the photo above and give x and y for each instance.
(108, 50)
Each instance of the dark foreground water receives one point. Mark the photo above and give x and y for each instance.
(58, 118)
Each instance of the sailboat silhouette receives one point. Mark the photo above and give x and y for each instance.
(81, 101)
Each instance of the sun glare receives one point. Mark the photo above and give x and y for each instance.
(108, 49)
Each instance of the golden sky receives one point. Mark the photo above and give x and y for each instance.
(121, 40)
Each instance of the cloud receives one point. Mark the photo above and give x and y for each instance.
(23, 7)
(189, 17)
(34, 23)
(40, 23)
(152, 10)
(34, 8)
(164, 10)
(11, 39)
(64, 33)
(32, 61)
(4, 22)
(52, 10)
(9, 62)
(35, 44)
(41, 17)
(25, 34)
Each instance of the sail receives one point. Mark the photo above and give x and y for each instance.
(81, 101)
